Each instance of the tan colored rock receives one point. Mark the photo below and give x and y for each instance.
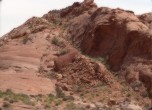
(59, 76)
(133, 107)
(90, 106)
(64, 60)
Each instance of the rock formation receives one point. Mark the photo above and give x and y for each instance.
(99, 55)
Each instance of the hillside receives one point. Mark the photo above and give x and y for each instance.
(82, 57)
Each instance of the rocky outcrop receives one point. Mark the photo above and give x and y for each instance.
(21, 51)
(146, 19)
(85, 71)
(32, 25)
(64, 60)
(78, 8)
(112, 34)
(123, 39)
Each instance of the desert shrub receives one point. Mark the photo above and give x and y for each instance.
(47, 106)
(30, 26)
(63, 52)
(52, 75)
(59, 92)
(40, 70)
(9, 95)
(78, 88)
(70, 106)
(25, 40)
(24, 98)
(103, 60)
(58, 102)
(128, 94)
(100, 59)
(55, 41)
(50, 98)
(68, 98)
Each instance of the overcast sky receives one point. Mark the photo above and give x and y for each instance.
(16, 12)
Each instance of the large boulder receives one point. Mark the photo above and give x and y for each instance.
(64, 60)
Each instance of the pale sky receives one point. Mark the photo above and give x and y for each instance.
(15, 12)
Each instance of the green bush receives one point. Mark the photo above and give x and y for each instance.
(10, 96)
(55, 41)
(50, 98)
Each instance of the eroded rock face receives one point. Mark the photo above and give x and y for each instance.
(119, 36)
(111, 33)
